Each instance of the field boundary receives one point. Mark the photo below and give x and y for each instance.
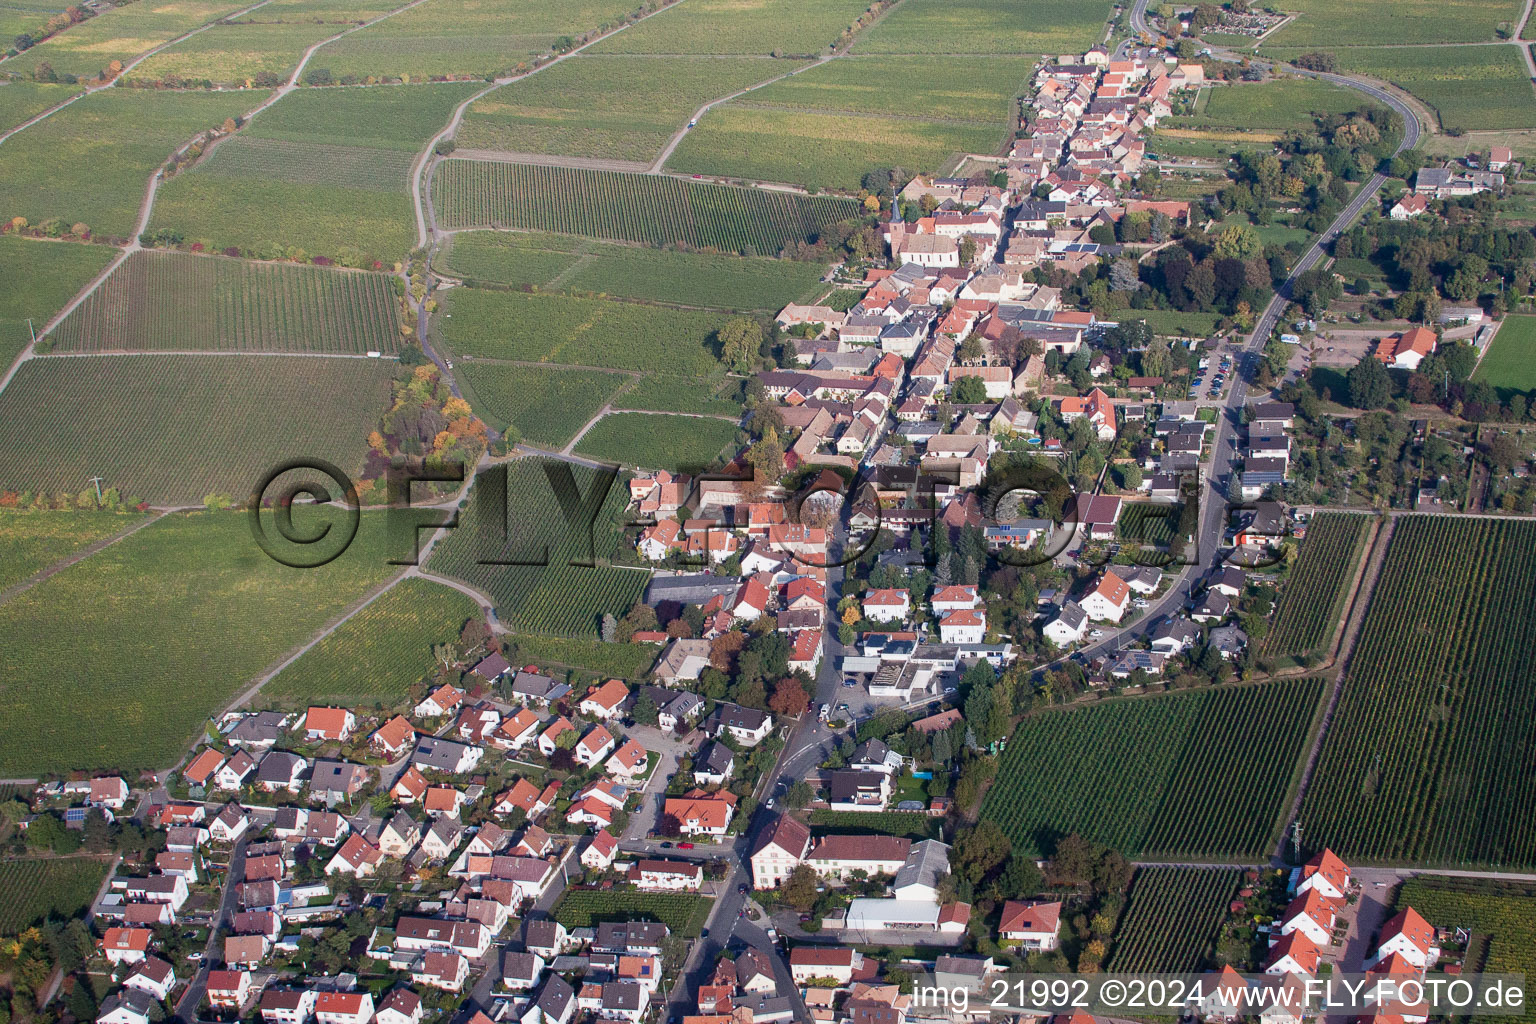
(17, 589)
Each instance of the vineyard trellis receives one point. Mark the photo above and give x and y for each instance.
(1427, 758)
(653, 209)
(1313, 594)
(1195, 774)
(1171, 921)
(169, 301)
(555, 598)
(37, 889)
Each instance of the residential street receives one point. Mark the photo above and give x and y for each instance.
(186, 1008)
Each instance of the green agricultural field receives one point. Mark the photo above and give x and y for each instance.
(176, 302)
(987, 26)
(31, 541)
(478, 38)
(120, 34)
(586, 265)
(42, 889)
(161, 630)
(684, 913)
(1500, 915)
(652, 209)
(1510, 362)
(524, 560)
(980, 89)
(492, 324)
(37, 279)
(1330, 23)
(1280, 104)
(1135, 773)
(1470, 88)
(656, 392)
(546, 404)
(379, 653)
(1170, 924)
(337, 12)
(232, 54)
(21, 101)
(1313, 594)
(1425, 760)
(323, 171)
(26, 16)
(789, 27)
(658, 441)
(613, 108)
(611, 661)
(824, 150)
(53, 169)
(172, 429)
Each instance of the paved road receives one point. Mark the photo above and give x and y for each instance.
(186, 1007)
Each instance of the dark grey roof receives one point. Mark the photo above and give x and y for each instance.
(621, 936)
(438, 753)
(734, 716)
(716, 758)
(262, 727)
(556, 997)
(337, 776)
(278, 766)
(696, 588)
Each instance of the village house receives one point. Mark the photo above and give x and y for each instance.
(329, 724)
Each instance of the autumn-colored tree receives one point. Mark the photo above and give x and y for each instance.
(455, 408)
(678, 628)
(852, 614)
(724, 648)
(377, 443)
(788, 698)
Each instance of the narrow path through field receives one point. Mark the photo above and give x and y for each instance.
(127, 68)
(16, 589)
(421, 179)
(502, 156)
(1362, 599)
(147, 205)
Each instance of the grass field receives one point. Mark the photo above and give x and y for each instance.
(1170, 923)
(1136, 773)
(36, 280)
(980, 89)
(121, 34)
(1312, 597)
(651, 209)
(612, 661)
(1510, 362)
(684, 913)
(585, 265)
(336, 12)
(987, 26)
(20, 100)
(1332, 23)
(53, 169)
(1279, 104)
(479, 38)
(615, 108)
(230, 54)
(376, 655)
(38, 889)
(324, 171)
(547, 405)
(498, 555)
(1500, 915)
(657, 441)
(823, 150)
(587, 332)
(1177, 324)
(172, 429)
(30, 541)
(790, 27)
(160, 630)
(1425, 759)
(175, 301)
(1470, 88)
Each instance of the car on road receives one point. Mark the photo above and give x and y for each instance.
(1095, 634)
(685, 846)
(770, 803)
(666, 846)
(850, 682)
(742, 888)
(704, 933)
(195, 956)
(950, 689)
(694, 123)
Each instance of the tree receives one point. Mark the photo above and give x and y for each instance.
(1238, 241)
(798, 794)
(1370, 386)
(1123, 276)
(740, 338)
(644, 712)
(969, 390)
(799, 888)
(609, 629)
(788, 698)
(967, 250)
(980, 850)
(767, 455)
